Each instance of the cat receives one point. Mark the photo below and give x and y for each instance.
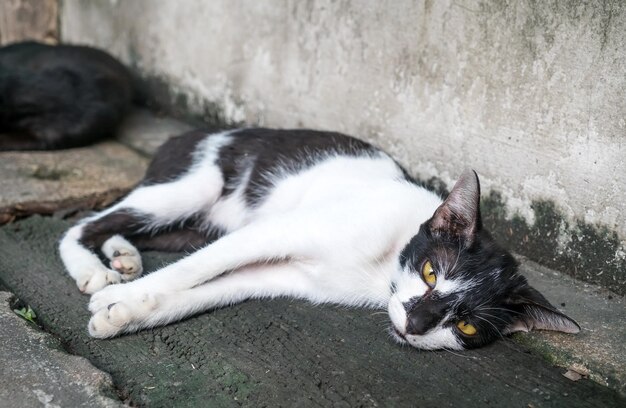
(306, 214)
(54, 97)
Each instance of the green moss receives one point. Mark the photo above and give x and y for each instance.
(236, 382)
(587, 252)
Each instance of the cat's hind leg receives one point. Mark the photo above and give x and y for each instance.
(119, 236)
(145, 213)
(171, 198)
(79, 246)
(123, 256)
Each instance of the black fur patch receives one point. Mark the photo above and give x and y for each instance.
(174, 157)
(187, 235)
(271, 151)
(176, 239)
(123, 222)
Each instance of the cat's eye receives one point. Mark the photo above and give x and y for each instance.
(466, 328)
(428, 273)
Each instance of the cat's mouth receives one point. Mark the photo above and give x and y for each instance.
(397, 334)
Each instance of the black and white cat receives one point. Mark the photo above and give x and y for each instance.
(54, 97)
(307, 214)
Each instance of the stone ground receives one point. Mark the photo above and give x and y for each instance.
(36, 371)
(46, 182)
(260, 353)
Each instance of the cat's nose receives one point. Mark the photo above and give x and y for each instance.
(424, 315)
(419, 324)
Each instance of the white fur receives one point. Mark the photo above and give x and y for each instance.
(331, 233)
(124, 257)
(437, 338)
(195, 191)
(231, 212)
(83, 265)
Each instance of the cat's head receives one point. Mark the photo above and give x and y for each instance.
(457, 289)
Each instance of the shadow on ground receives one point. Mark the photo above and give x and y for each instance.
(276, 353)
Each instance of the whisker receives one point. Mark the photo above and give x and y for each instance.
(494, 326)
(460, 355)
(502, 308)
(495, 317)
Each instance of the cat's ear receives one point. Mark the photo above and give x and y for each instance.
(459, 214)
(533, 311)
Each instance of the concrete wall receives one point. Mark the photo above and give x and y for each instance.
(531, 94)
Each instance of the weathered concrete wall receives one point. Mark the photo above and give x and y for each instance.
(531, 94)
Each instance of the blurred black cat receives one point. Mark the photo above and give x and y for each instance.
(54, 97)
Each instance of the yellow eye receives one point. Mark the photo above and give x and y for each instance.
(466, 328)
(429, 274)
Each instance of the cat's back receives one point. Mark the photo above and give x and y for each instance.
(230, 179)
(259, 157)
(299, 165)
(269, 171)
(342, 179)
(265, 155)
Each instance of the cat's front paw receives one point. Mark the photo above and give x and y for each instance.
(109, 321)
(119, 317)
(96, 279)
(106, 297)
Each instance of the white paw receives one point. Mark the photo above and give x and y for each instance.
(97, 279)
(115, 318)
(124, 257)
(107, 296)
(110, 321)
